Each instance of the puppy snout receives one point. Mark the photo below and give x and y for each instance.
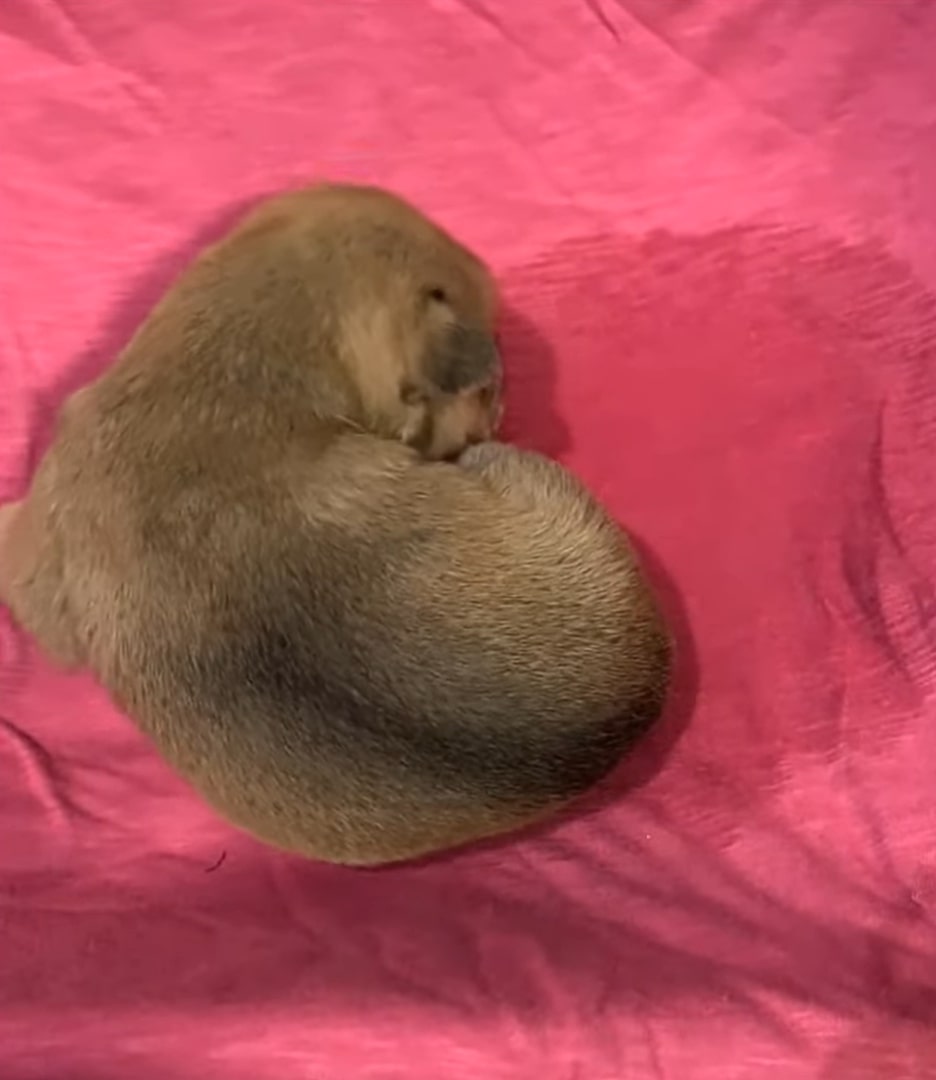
(482, 430)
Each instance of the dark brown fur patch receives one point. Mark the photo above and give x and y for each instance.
(463, 357)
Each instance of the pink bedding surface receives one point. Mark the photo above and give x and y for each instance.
(715, 224)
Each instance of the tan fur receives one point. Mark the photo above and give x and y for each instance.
(352, 650)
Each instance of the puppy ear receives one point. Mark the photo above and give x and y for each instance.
(459, 357)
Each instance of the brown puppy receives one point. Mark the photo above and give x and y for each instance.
(352, 650)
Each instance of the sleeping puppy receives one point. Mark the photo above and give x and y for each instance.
(247, 530)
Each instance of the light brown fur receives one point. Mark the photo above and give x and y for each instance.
(353, 649)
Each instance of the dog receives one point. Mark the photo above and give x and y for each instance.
(279, 532)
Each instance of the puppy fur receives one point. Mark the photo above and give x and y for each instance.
(352, 648)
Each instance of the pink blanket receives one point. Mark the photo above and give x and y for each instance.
(715, 222)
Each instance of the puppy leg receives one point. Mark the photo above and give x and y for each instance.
(526, 478)
(32, 581)
(9, 514)
(6, 519)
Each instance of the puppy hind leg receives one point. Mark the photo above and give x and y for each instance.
(526, 478)
(31, 581)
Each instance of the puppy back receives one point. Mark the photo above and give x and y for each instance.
(416, 651)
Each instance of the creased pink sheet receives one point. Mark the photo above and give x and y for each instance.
(715, 223)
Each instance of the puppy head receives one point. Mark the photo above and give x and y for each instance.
(454, 395)
(412, 312)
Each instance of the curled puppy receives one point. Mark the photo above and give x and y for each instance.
(354, 649)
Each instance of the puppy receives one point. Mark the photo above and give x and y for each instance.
(353, 648)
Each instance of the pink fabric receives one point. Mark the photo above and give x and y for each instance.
(715, 223)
